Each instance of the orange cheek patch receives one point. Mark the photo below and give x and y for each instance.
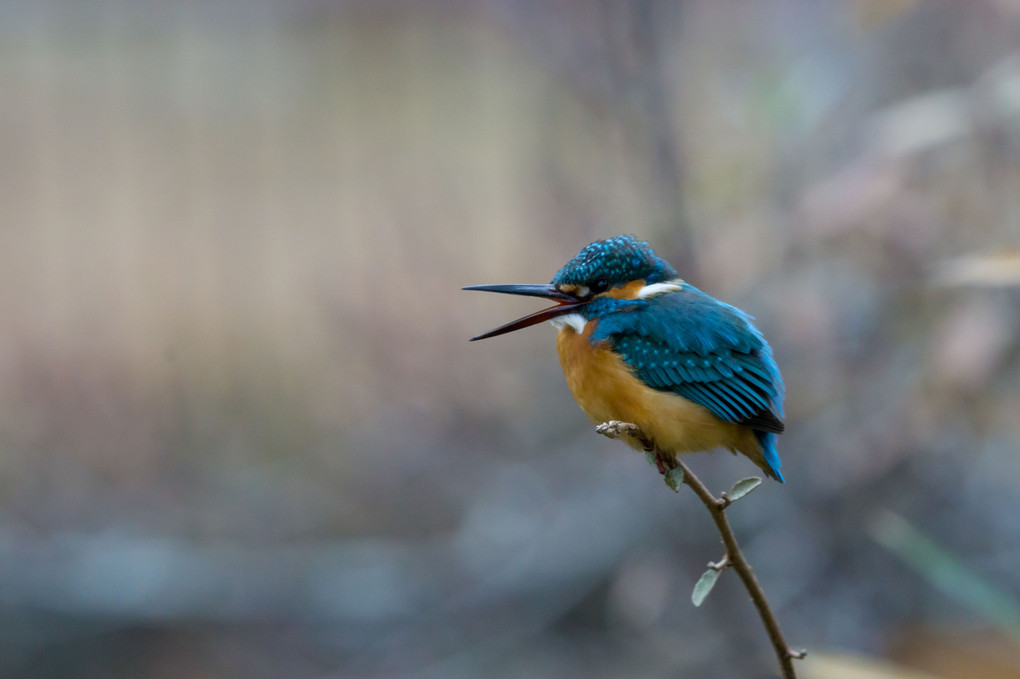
(628, 291)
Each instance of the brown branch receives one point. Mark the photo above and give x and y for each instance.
(733, 558)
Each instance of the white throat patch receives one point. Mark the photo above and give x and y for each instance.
(574, 321)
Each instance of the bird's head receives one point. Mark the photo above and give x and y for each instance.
(620, 267)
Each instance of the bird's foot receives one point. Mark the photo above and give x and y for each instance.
(614, 429)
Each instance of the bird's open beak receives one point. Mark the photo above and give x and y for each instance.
(565, 304)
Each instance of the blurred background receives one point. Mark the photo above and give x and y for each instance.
(242, 433)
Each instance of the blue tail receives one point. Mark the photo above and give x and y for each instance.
(768, 451)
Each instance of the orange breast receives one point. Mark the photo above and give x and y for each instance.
(606, 389)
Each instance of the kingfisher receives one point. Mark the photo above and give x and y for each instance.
(638, 344)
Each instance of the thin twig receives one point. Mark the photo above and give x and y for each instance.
(716, 508)
(733, 558)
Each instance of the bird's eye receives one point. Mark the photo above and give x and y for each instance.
(599, 286)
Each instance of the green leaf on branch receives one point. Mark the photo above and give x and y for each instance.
(675, 478)
(704, 585)
(743, 487)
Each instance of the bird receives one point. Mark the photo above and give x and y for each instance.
(640, 345)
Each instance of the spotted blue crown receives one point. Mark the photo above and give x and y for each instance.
(615, 260)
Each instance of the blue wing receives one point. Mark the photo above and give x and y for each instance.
(704, 350)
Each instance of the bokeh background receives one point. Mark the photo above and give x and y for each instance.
(242, 433)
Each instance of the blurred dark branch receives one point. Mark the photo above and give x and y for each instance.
(610, 54)
(669, 465)
(649, 78)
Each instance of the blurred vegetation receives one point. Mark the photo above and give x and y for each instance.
(241, 430)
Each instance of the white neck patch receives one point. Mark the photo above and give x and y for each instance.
(660, 288)
(574, 321)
